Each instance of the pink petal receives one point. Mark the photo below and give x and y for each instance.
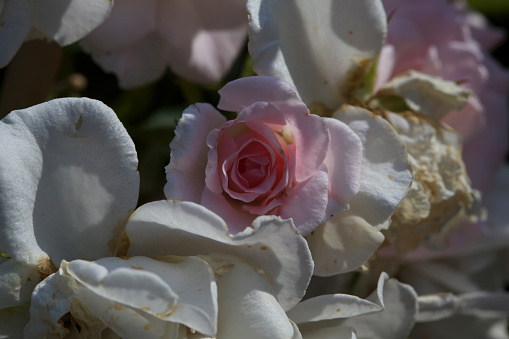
(136, 65)
(306, 203)
(310, 131)
(205, 36)
(129, 22)
(229, 210)
(185, 173)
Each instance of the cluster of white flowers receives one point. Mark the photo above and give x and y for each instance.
(338, 204)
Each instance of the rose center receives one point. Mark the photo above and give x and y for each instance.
(254, 169)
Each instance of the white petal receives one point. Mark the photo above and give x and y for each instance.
(386, 173)
(15, 24)
(323, 48)
(13, 321)
(17, 281)
(272, 246)
(347, 240)
(333, 306)
(441, 306)
(69, 21)
(247, 305)
(342, 244)
(50, 301)
(180, 290)
(70, 170)
(395, 317)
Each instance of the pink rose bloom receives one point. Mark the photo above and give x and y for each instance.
(443, 39)
(197, 39)
(275, 158)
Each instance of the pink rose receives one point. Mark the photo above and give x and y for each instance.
(275, 158)
(443, 39)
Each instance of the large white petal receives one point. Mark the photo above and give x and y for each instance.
(15, 23)
(70, 20)
(179, 290)
(271, 245)
(68, 170)
(347, 240)
(247, 305)
(323, 48)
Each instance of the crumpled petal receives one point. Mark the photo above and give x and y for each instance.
(323, 48)
(69, 21)
(71, 172)
(15, 24)
(425, 94)
(247, 305)
(271, 245)
(385, 180)
(17, 281)
(185, 174)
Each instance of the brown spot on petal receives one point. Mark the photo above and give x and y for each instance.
(338, 310)
(123, 247)
(263, 248)
(78, 124)
(118, 306)
(355, 76)
(45, 267)
(148, 327)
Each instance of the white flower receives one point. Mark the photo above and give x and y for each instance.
(64, 21)
(182, 273)
(68, 183)
(324, 49)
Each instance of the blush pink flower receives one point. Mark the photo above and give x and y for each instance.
(446, 40)
(275, 158)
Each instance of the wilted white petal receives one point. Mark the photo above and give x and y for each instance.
(179, 290)
(393, 318)
(248, 307)
(50, 301)
(15, 23)
(425, 94)
(13, 321)
(70, 172)
(68, 21)
(348, 239)
(17, 281)
(397, 318)
(323, 48)
(271, 245)
(440, 306)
